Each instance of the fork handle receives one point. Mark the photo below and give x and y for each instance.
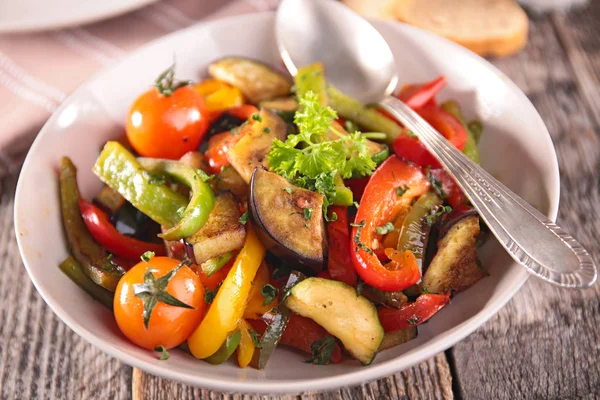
(534, 241)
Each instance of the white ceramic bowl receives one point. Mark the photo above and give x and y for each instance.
(515, 147)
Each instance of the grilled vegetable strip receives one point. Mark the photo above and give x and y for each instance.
(246, 348)
(368, 118)
(312, 78)
(107, 235)
(414, 313)
(339, 263)
(92, 257)
(73, 270)
(470, 149)
(227, 308)
(256, 300)
(418, 94)
(201, 202)
(226, 350)
(120, 170)
(415, 228)
(272, 335)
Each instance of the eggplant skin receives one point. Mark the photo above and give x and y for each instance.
(223, 231)
(257, 81)
(455, 265)
(277, 211)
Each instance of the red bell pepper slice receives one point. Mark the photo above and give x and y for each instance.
(380, 204)
(410, 148)
(106, 234)
(339, 263)
(300, 333)
(454, 195)
(419, 94)
(414, 313)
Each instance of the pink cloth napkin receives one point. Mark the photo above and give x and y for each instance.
(39, 70)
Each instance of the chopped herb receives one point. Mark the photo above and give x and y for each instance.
(410, 133)
(147, 256)
(252, 283)
(164, 354)
(205, 177)
(244, 218)
(424, 290)
(436, 184)
(255, 337)
(385, 229)
(154, 290)
(209, 295)
(306, 226)
(359, 244)
(155, 179)
(321, 351)
(400, 190)
(257, 117)
(324, 305)
(414, 320)
(308, 214)
(436, 213)
(288, 189)
(334, 217)
(269, 292)
(266, 130)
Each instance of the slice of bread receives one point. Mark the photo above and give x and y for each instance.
(487, 27)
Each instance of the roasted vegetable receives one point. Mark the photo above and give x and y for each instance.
(274, 332)
(73, 270)
(109, 200)
(312, 78)
(223, 231)
(215, 264)
(344, 314)
(470, 149)
(368, 118)
(412, 314)
(230, 179)
(256, 80)
(288, 219)
(455, 265)
(226, 350)
(398, 337)
(257, 306)
(227, 308)
(120, 170)
(92, 257)
(251, 150)
(390, 299)
(280, 104)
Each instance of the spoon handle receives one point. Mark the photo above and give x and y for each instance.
(530, 238)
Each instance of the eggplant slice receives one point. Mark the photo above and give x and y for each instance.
(257, 81)
(252, 149)
(223, 231)
(288, 219)
(455, 266)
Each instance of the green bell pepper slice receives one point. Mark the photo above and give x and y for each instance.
(201, 202)
(215, 264)
(226, 349)
(120, 170)
(92, 257)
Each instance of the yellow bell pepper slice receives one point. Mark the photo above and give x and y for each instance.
(229, 304)
(256, 307)
(219, 96)
(245, 350)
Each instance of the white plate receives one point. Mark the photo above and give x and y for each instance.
(515, 147)
(34, 15)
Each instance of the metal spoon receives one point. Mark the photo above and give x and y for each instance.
(359, 62)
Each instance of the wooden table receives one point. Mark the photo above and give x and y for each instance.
(544, 344)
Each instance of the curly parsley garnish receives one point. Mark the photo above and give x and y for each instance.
(321, 351)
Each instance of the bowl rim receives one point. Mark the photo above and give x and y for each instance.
(375, 371)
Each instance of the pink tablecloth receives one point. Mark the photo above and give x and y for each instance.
(39, 70)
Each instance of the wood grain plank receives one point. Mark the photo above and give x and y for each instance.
(40, 358)
(544, 343)
(430, 379)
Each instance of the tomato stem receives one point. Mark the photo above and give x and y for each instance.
(166, 84)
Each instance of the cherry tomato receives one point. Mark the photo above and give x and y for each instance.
(168, 326)
(164, 126)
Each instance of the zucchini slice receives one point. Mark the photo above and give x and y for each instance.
(252, 149)
(288, 219)
(336, 307)
(396, 338)
(257, 81)
(223, 231)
